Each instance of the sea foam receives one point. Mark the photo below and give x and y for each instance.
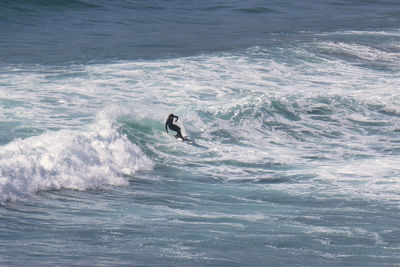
(88, 158)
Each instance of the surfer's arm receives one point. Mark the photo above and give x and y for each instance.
(176, 117)
(166, 128)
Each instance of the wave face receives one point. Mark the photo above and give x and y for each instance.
(296, 133)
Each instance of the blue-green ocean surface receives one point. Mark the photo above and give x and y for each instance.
(293, 107)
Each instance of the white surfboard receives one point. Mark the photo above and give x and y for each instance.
(186, 139)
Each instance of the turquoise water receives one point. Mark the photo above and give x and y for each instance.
(296, 135)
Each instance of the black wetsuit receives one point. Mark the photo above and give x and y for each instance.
(170, 124)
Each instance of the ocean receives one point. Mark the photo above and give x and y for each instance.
(293, 108)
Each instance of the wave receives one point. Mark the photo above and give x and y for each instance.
(26, 5)
(258, 115)
(69, 159)
(29, 12)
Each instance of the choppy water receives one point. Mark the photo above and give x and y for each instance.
(296, 122)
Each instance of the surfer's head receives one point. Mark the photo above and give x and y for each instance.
(171, 115)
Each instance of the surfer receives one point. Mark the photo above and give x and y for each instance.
(170, 123)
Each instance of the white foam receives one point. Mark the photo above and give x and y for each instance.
(221, 91)
(69, 159)
(393, 33)
(360, 51)
(376, 178)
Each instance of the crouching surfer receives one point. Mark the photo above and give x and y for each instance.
(170, 124)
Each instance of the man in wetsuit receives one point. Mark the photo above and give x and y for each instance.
(170, 123)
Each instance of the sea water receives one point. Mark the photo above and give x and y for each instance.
(293, 108)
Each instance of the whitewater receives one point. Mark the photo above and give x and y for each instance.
(295, 159)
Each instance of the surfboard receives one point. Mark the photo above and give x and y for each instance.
(186, 139)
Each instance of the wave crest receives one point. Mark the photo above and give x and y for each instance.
(68, 159)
